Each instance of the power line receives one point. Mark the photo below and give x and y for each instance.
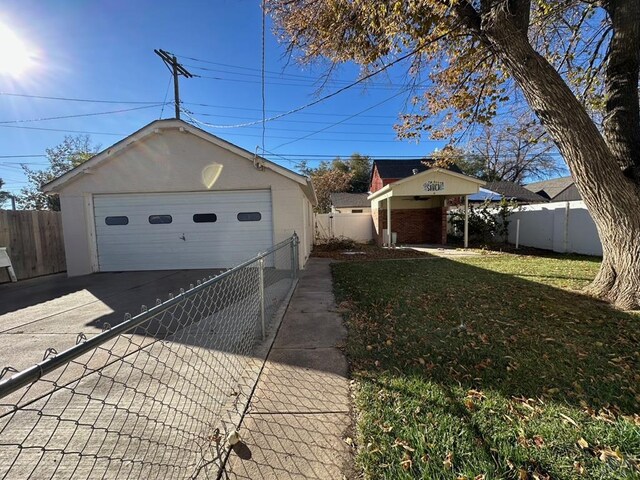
(67, 99)
(61, 117)
(22, 156)
(304, 137)
(321, 99)
(264, 108)
(64, 131)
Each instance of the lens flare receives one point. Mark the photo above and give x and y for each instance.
(15, 55)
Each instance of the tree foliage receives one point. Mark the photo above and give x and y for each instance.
(73, 151)
(4, 195)
(515, 152)
(339, 175)
(488, 222)
(575, 63)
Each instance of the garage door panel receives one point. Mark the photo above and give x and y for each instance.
(183, 243)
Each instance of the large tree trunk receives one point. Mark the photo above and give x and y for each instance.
(613, 198)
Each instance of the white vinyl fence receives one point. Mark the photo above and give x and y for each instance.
(356, 226)
(564, 227)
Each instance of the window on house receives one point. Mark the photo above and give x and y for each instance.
(205, 217)
(120, 220)
(157, 219)
(359, 210)
(249, 216)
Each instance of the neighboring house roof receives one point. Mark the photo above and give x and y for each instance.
(404, 168)
(155, 127)
(344, 200)
(568, 194)
(513, 191)
(551, 189)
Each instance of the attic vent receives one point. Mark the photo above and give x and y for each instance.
(415, 171)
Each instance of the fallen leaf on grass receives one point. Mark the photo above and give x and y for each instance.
(577, 466)
(406, 462)
(448, 461)
(402, 443)
(606, 453)
(569, 419)
(583, 444)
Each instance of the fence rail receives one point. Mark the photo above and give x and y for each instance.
(155, 395)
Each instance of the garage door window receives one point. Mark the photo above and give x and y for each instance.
(205, 217)
(121, 220)
(156, 219)
(249, 216)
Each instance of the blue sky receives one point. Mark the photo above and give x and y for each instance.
(104, 51)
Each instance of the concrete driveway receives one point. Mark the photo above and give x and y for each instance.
(51, 311)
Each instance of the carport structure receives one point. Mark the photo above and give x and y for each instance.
(413, 210)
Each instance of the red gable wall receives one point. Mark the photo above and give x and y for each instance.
(377, 182)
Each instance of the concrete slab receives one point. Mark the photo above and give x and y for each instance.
(50, 311)
(303, 381)
(299, 415)
(288, 447)
(327, 328)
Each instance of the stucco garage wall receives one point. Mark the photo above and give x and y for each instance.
(175, 161)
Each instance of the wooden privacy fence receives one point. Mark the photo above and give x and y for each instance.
(34, 242)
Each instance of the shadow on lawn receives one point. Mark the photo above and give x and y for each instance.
(464, 326)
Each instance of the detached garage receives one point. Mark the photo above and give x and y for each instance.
(172, 196)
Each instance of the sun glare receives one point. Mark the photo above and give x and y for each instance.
(15, 56)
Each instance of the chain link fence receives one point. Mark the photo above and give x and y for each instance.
(155, 396)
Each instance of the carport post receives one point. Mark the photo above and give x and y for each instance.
(389, 235)
(466, 221)
(261, 268)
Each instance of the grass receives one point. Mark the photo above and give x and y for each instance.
(490, 367)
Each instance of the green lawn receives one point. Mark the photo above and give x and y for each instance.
(490, 367)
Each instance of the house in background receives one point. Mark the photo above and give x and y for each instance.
(496, 191)
(172, 196)
(409, 200)
(342, 202)
(561, 189)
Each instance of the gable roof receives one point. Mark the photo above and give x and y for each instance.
(158, 125)
(343, 200)
(550, 188)
(404, 168)
(512, 190)
(388, 189)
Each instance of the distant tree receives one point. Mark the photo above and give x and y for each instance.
(4, 195)
(327, 178)
(73, 151)
(359, 166)
(515, 152)
(339, 175)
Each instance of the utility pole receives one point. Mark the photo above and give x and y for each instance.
(176, 69)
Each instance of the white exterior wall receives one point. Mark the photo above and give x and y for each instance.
(548, 226)
(174, 161)
(356, 226)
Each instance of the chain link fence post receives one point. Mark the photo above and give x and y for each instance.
(294, 256)
(261, 280)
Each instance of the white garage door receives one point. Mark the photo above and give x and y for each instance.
(181, 230)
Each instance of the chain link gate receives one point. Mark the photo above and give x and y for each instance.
(154, 396)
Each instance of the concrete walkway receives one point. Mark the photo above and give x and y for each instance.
(299, 417)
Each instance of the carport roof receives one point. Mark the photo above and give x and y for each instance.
(414, 185)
